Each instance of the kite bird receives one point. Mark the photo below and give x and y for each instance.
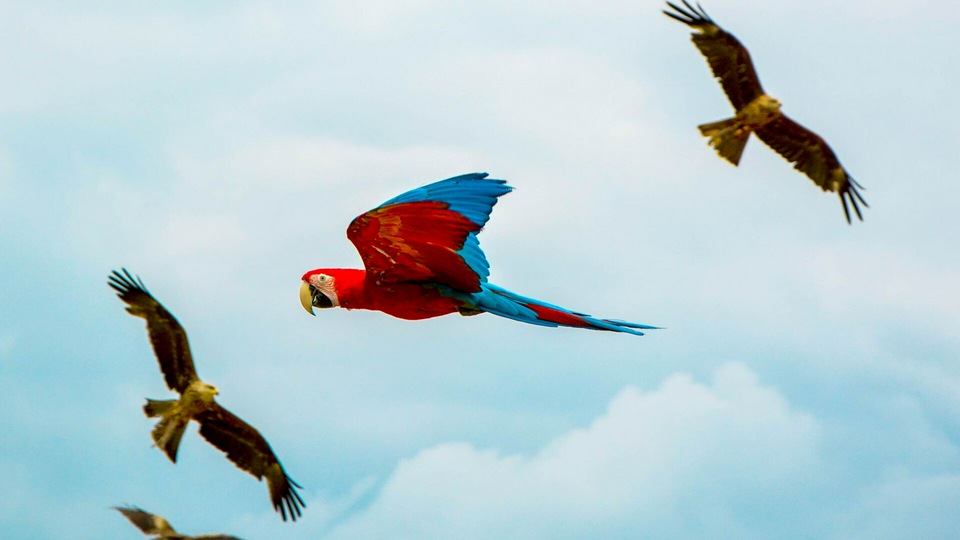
(759, 112)
(242, 443)
(159, 528)
(422, 260)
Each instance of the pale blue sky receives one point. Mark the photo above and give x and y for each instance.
(808, 381)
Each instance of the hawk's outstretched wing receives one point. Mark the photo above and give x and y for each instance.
(145, 521)
(168, 338)
(728, 58)
(812, 156)
(248, 450)
(153, 524)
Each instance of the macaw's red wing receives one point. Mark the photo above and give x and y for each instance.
(416, 241)
(811, 155)
(728, 58)
(429, 234)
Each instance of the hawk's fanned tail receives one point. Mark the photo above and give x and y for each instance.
(728, 137)
(169, 430)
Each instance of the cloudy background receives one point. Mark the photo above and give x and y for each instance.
(808, 381)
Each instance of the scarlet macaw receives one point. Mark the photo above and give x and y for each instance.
(423, 260)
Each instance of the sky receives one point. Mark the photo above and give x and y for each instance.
(806, 383)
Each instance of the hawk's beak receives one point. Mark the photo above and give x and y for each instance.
(306, 297)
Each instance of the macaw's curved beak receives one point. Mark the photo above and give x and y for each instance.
(306, 297)
(311, 297)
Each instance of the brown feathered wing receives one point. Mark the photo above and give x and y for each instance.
(145, 521)
(728, 58)
(153, 524)
(812, 156)
(246, 448)
(168, 338)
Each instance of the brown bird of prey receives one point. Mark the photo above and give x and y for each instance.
(758, 112)
(242, 443)
(159, 528)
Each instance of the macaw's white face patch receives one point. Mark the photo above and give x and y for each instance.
(318, 291)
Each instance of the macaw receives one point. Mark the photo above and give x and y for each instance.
(422, 259)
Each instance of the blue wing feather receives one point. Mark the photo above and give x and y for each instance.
(474, 257)
(472, 195)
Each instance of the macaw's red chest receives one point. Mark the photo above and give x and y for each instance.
(411, 301)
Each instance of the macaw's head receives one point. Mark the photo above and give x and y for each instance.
(318, 289)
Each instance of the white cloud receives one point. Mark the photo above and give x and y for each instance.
(649, 463)
(199, 235)
(314, 165)
(378, 17)
(927, 290)
(906, 508)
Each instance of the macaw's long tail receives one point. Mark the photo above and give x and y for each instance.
(499, 301)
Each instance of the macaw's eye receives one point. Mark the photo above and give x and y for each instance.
(323, 277)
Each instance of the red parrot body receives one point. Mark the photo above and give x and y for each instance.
(411, 301)
(422, 260)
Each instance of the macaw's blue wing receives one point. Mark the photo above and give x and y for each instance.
(429, 234)
(471, 195)
(499, 301)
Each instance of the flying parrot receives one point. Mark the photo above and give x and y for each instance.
(422, 259)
